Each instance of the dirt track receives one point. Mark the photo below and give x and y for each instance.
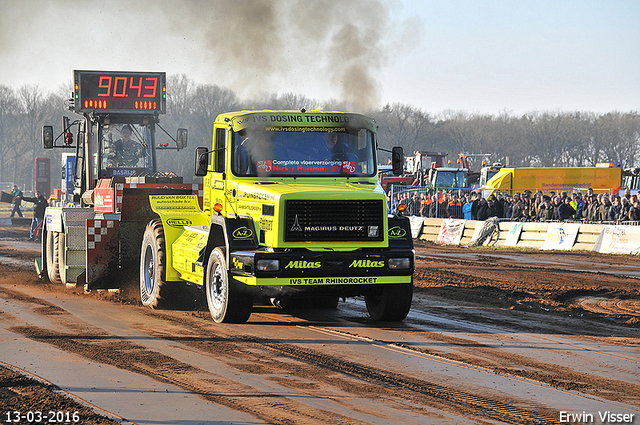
(487, 328)
(564, 282)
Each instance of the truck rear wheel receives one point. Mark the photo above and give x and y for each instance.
(53, 257)
(389, 302)
(153, 265)
(225, 298)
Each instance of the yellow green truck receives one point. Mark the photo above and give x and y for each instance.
(292, 214)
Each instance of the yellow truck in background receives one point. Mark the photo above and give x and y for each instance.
(601, 178)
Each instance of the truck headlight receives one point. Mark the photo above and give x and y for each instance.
(268, 265)
(399, 263)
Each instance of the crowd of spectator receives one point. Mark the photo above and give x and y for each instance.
(525, 206)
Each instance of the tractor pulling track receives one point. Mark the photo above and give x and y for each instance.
(493, 337)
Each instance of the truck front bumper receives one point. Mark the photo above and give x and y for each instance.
(371, 267)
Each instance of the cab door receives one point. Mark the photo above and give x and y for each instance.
(214, 181)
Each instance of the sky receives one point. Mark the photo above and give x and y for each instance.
(479, 56)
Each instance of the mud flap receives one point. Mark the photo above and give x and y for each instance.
(400, 233)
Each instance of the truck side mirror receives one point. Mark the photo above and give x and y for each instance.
(202, 161)
(181, 138)
(47, 136)
(397, 159)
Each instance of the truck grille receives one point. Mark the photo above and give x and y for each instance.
(358, 220)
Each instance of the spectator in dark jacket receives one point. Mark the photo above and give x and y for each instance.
(516, 208)
(489, 209)
(579, 206)
(482, 210)
(475, 206)
(496, 206)
(413, 205)
(545, 213)
(565, 210)
(39, 207)
(625, 207)
(17, 201)
(634, 211)
(592, 211)
(556, 202)
(605, 206)
(614, 210)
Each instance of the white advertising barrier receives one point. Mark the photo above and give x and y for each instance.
(618, 240)
(514, 234)
(450, 232)
(416, 224)
(477, 232)
(561, 236)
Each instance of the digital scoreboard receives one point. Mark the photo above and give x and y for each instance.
(120, 92)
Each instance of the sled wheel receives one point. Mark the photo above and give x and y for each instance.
(52, 257)
(153, 266)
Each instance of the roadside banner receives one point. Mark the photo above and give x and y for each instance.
(514, 234)
(618, 240)
(450, 232)
(561, 236)
(416, 226)
(477, 232)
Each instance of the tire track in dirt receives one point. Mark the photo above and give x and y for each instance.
(263, 356)
(472, 352)
(114, 351)
(30, 394)
(382, 383)
(610, 306)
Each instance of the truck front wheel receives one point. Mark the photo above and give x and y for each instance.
(389, 302)
(225, 298)
(152, 265)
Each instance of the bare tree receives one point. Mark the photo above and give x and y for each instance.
(617, 138)
(291, 101)
(9, 109)
(405, 126)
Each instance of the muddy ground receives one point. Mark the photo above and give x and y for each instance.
(600, 290)
(532, 280)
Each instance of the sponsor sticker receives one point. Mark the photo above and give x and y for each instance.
(397, 232)
(179, 222)
(242, 233)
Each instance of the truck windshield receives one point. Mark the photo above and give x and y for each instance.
(299, 153)
(485, 175)
(451, 179)
(125, 149)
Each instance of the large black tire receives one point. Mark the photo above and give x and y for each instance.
(153, 266)
(389, 303)
(227, 302)
(52, 257)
